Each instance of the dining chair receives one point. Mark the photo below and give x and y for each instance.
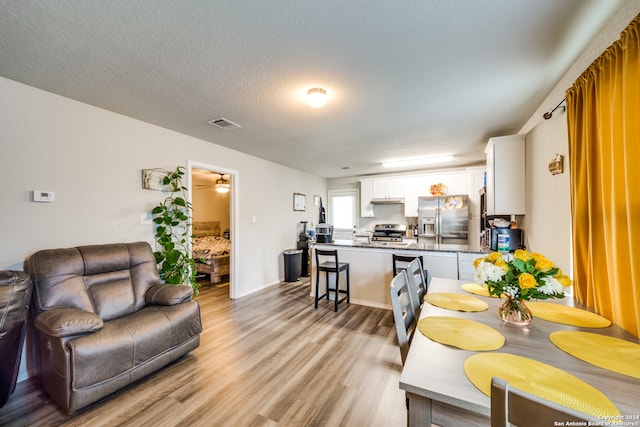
(327, 262)
(513, 407)
(417, 284)
(404, 315)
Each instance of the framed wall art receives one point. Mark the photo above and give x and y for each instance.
(299, 202)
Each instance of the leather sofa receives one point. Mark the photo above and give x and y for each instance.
(15, 295)
(103, 320)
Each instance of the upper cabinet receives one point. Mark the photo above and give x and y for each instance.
(410, 188)
(388, 188)
(366, 194)
(505, 175)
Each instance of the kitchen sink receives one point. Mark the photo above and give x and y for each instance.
(391, 244)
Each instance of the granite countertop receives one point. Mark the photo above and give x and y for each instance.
(402, 246)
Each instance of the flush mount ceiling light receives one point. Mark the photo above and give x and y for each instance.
(222, 185)
(316, 97)
(417, 162)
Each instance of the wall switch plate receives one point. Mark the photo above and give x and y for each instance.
(44, 196)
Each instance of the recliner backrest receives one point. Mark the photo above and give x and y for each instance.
(109, 280)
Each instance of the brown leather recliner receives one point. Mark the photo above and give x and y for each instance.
(15, 295)
(104, 320)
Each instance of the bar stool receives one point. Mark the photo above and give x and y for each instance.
(327, 261)
(401, 262)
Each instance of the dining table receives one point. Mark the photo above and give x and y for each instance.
(439, 391)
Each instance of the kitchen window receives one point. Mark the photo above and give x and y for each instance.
(343, 213)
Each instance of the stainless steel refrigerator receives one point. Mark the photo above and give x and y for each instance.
(444, 219)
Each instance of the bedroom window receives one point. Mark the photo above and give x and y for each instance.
(343, 212)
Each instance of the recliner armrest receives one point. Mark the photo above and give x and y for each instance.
(164, 294)
(63, 322)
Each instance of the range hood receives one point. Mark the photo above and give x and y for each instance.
(388, 201)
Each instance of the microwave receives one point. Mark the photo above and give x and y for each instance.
(516, 238)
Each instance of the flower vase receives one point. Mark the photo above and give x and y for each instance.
(515, 311)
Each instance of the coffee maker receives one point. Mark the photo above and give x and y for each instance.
(324, 233)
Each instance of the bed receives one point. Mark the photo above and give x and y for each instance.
(210, 250)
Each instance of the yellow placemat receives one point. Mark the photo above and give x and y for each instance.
(462, 333)
(605, 352)
(540, 379)
(475, 288)
(572, 316)
(458, 302)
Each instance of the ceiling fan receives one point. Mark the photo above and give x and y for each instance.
(221, 184)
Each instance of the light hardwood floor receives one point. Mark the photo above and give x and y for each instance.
(268, 359)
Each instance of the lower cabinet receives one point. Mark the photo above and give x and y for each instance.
(466, 271)
(441, 264)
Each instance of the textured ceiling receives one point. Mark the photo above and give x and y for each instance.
(404, 78)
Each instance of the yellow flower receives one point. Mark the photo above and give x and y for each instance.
(527, 281)
(544, 264)
(502, 264)
(477, 262)
(522, 255)
(564, 280)
(494, 256)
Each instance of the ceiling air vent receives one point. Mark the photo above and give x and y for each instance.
(224, 124)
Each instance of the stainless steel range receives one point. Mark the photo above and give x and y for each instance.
(389, 232)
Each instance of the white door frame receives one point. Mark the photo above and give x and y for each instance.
(234, 178)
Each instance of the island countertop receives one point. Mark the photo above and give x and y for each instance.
(402, 246)
(371, 266)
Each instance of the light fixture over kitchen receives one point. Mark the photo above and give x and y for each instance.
(222, 185)
(316, 97)
(417, 161)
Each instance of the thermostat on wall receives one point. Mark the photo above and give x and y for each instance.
(43, 196)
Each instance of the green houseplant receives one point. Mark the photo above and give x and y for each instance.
(173, 219)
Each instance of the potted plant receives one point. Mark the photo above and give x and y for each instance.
(173, 219)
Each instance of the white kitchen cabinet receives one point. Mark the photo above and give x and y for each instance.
(476, 182)
(415, 186)
(505, 175)
(388, 188)
(456, 182)
(475, 178)
(466, 271)
(441, 264)
(366, 194)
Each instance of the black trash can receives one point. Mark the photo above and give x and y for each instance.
(292, 264)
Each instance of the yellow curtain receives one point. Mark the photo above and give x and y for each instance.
(603, 113)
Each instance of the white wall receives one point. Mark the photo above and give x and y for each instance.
(93, 159)
(547, 223)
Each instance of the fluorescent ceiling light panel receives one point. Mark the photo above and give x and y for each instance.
(417, 162)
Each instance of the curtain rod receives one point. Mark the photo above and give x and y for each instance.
(548, 114)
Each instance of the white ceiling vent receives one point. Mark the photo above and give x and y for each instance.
(224, 124)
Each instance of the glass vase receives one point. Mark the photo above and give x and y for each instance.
(515, 311)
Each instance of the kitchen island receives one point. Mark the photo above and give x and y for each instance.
(371, 266)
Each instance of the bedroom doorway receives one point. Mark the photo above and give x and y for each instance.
(212, 191)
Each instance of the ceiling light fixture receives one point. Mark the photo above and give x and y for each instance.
(316, 97)
(417, 162)
(222, 185)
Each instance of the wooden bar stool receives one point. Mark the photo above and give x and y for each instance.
(327, 261)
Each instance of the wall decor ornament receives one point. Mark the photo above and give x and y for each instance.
(152, 179)
(556, 165)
